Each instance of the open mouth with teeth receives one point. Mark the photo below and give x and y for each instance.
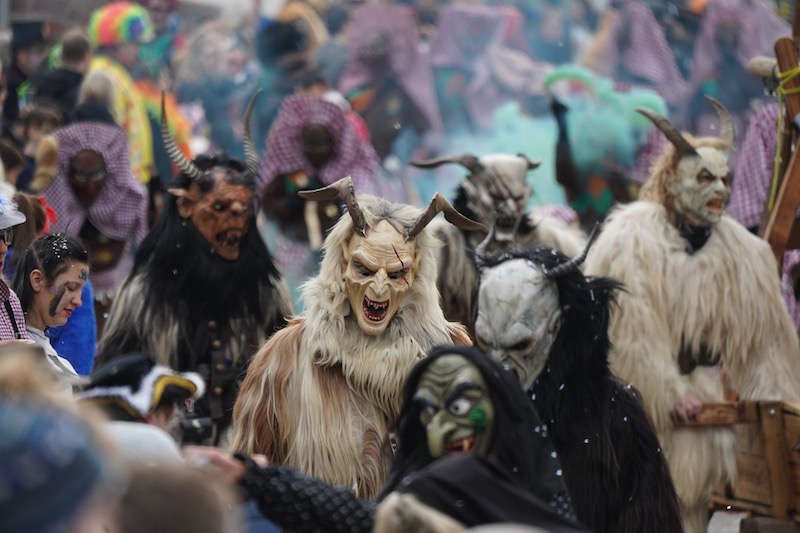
(229, 238)
(375, 311)
(462, 445)
(715, 206)
(506, 222)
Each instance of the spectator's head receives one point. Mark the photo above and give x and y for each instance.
(118, 29)
(76, 51)
(279, 41)
(13, 161)
(176, 500)
(10, 217)
(36, 220)
(50, 278)
(336, 17)
(28, 46)
(160, 11)
(95, 99)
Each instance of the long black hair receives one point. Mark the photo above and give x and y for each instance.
(51, 255)
(185, 273)
(516, 447)
(613, 466)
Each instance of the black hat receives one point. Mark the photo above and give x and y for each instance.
(26, 34)
(137, 385)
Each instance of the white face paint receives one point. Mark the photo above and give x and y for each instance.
(501, 191)
(701, 187)
(518, 317)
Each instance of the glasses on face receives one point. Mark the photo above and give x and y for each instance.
(7, 236)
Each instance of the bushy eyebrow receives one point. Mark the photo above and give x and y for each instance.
(460, 389)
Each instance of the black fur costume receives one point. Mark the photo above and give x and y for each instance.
(192, 310)
(614, 469)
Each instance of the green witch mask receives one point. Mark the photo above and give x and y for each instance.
(455, 407)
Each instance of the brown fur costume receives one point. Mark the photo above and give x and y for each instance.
(321, 395)
(724, 299)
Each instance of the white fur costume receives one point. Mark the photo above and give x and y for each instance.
(725, 296)
(321, 395)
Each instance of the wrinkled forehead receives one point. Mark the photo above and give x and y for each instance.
(505, 175)
(224, 190)
(510, 289)
(449, 372)
(711, 159)
(383, 246)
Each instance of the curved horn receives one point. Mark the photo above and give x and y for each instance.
(440, 205)
(250, 154)
(670, 131)
(725, 120)
(531, 164)
(483, 248)
(342, 189)
(175, 154)
(468, 161)
(573, 264)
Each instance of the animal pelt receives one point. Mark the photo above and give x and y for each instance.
(613, 464)
(178, 285)
(457, 271)
(724, 300)
(321, 395)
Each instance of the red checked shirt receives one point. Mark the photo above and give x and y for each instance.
(12, 321)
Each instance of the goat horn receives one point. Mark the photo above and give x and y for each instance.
(573, 264)
(725, 120)
(670, 131)
(175, 154)
(250, 153)
(468, 161)
(483, 248)
(342, 189)
(531, 164)
(440, 205)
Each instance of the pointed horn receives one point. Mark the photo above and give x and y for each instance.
(531, 164)
(342, 189)
(483, 248)
(670, 131)
(573, 264)
(250, 153)
(725, 120)
(440, 205)
(468, 161)
(175, 154)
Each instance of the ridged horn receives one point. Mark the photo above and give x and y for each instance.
(483, 248)
(468, 161)
(440, 205)
(573, 264)
(175, 154)
(725, 120)
(250, 154)
(670, 131)
(342, 189)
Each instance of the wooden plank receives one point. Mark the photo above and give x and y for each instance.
(724, 414)
(730, 504)
(752, 480)
(782, 218)
(772, 428)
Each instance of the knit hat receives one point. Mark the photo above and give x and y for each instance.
(49, 466)
(120, 23)
(9, 214)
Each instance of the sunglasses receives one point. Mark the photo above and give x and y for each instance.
(7, 236)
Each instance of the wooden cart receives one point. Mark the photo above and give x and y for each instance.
(768, 463)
